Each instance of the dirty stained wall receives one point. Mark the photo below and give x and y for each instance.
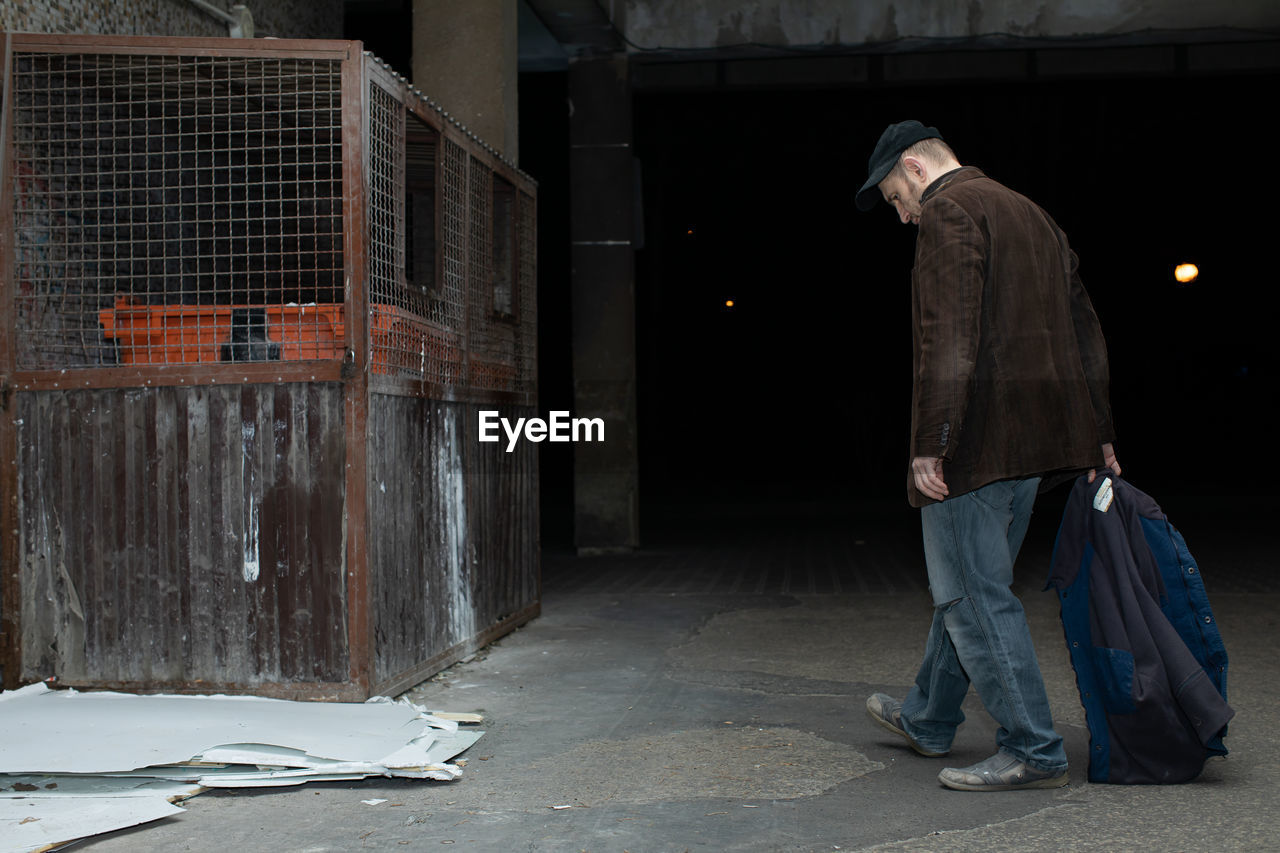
(451, 550)
(180, 534)
(704, 24)
(278, 18)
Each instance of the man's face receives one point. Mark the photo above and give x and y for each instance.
(904, 195)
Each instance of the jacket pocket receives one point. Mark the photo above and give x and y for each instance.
(1114, 668)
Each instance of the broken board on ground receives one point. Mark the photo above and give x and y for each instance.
(123, 759)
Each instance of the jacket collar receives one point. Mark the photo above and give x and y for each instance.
(955, 176)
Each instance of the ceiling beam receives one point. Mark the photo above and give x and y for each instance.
(581, 26)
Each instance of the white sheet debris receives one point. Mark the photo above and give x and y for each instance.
(123, 759)
(39, 823)
(42, 786)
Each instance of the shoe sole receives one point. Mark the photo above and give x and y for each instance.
(1051, 782)
(888, 726)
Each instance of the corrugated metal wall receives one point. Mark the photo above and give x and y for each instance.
(452, 552)
(173, 535)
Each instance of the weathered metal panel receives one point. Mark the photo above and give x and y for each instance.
(176, 535)
(10, 592)
(355, 399)
(452, 523)
(504, 518)
(453, 529)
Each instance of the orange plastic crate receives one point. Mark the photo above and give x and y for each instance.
(186, 334)
(402, 341)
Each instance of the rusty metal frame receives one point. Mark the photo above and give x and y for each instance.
(408, 387)
(11, 581)
(157, 375)
(355, 121)
(95, 376)
(184, 46)
(354, 371)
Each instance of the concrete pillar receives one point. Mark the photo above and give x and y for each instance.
(602, 178)
(465, 58)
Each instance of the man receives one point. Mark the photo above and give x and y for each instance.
(1010, 384)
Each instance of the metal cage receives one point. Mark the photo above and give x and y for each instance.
(254, 294)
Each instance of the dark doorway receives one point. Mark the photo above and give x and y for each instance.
(801, 387)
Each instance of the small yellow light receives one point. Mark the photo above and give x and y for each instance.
(728, 303)
(1186, 272)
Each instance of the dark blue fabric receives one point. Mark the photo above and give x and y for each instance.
(1188, 610)
(1149, 660)
(1075, 623)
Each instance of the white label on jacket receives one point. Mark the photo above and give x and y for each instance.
(1102, 500)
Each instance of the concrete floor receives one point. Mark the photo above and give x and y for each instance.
(707, 693)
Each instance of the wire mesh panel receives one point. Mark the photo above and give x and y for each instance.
(172, 209)
(527, 340)
(416, 331)
(448, 309)
(491, 254)
(386, 201)
(394, 350)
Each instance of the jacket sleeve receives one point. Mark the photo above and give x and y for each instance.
(948, 276)
(1093, 353)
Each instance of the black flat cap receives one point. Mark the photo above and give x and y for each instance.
(895, 139)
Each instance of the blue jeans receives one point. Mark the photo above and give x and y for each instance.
(979, 630)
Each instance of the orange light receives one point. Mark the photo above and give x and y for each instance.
(1186, 272)
(728, 303)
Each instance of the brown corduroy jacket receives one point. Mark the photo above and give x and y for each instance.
(1010, 366)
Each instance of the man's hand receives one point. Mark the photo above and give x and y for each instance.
(1108, 459)
(928, 474)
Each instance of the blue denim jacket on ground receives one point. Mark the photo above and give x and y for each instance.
(1149, 660)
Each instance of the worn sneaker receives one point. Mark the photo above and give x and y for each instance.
(887, 711)
(1001, 772)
